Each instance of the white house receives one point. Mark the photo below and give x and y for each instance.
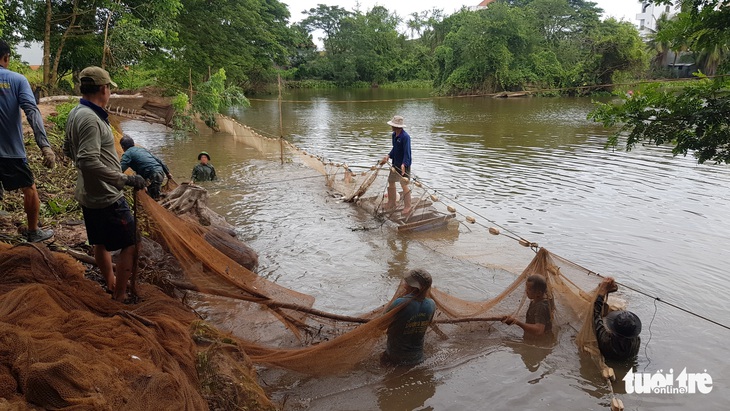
(649, 15)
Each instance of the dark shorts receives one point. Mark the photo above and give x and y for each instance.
(113, 226)
(15, 173)
(155, 180)
(396, 175)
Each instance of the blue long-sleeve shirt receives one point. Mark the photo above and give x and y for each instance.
(15, 93)
(142, 162)
(401, 151)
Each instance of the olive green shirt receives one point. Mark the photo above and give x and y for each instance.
(203, 172)
(90, 144)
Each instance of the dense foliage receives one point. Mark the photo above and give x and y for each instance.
(176, 44)
(692, 118)
(511, 45)
(552, 46)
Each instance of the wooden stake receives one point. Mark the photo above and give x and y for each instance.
(281, 121)
(190, 80)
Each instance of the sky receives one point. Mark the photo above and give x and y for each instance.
(620, 9)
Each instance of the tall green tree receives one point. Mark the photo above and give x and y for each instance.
(78, 33)
(485, 50)
(246, 37)
(614, 46)
(329, 20)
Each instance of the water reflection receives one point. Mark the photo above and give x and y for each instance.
(532, 355)
(407, 389)
(398, 262)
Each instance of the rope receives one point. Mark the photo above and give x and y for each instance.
(655, 298)
(646, 346)
(521, 240)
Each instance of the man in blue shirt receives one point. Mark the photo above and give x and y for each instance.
(401, 170)
(407, 332)
(15, 93)
(145, 164)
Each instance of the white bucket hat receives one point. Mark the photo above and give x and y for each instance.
(397, 122)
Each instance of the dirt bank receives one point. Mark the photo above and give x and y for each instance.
(66, 343)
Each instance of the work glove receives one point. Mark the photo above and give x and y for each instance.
(136, 181)
(49, 157)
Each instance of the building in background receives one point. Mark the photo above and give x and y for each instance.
(650, 14)
(482, 5)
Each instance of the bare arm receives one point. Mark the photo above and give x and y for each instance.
(532, 329)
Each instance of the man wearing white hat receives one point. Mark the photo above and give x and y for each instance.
(401, 170)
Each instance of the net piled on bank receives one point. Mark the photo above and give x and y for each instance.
(65, 343)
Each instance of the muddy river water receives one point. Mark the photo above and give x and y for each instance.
(536, 166)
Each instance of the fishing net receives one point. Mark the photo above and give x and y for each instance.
(329, 342)
(285, 330)
(65, 343)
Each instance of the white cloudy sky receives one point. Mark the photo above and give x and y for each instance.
(620, 9)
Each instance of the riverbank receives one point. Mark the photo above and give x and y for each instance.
(57, 316)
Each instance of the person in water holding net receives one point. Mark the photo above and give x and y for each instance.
(618, 332)
(145, 164)
(406, 334)
(400, 154)
(203, 171)
(538, 319)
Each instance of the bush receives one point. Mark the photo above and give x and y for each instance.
(60, 117)
(406, 84)
(134, 78)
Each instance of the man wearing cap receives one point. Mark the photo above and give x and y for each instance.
(15, 94)
(89, 143)
(407, 332)
(145, 164)
(400, 154)
(618, 332)
(203, 171)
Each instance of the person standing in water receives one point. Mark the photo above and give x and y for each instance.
(400, 155)
(203, 171)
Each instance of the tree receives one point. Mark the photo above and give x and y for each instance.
(691, 118)
(694, 119)
(2, 22)
(699, 28)
(485, 50)
(615, 46)
(79, 33)
(247, 37)
(213, 96)
(416, 23)
(328, 19)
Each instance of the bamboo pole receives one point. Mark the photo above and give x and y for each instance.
(281, 122)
